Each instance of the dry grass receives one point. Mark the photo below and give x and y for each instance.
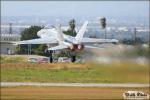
(74, 93)
(42, 65)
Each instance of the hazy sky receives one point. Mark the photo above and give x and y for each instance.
(75, 8)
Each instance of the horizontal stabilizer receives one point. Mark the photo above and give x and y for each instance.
(94, 40)
(92, 47)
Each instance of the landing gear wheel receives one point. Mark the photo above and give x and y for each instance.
(73, 57)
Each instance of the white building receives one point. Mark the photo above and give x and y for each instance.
(6, 43)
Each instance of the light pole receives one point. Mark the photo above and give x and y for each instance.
(103, 24)
(134, 35)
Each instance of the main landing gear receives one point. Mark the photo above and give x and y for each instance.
(49, 53)
(73, 56)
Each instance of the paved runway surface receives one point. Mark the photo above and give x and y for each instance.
(6, 84)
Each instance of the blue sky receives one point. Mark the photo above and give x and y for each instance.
(75, 8)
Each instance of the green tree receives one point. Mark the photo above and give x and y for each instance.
(31, 33)
(71, 31)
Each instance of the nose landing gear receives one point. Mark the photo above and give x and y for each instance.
(49, 53)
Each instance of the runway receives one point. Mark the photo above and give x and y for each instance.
(11, 84)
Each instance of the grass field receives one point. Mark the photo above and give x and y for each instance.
(17, 70)
(57, 93)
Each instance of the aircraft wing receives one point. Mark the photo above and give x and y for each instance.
(94, 40)
(38, 41)
(58, 47)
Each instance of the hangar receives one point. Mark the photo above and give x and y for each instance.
(6, 44)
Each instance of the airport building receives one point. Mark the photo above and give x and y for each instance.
(6, 43)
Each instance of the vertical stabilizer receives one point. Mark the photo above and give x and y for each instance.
(59, 35)
(81, 32)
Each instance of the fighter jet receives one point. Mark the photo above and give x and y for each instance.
(56, 36)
